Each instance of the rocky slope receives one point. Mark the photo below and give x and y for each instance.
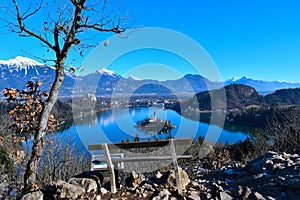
(271, 176)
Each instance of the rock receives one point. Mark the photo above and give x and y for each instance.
(94, 175)
(156, 198)
(103, 190)
(148, 187)
(256, 196)
(225, 196)
(13, 193)
(242, 192)
(158, 174)
(134, 175)
(278, 159)
(144, 195)
(134, 180)
(194, 196)
(89, 185)
(163, 195)
(202, 188)
(159, 178)
(184, 178)
(270, 198)
(98, 197)
(194, 183)
(4, 183)
(141, 192)
(65, 190)
(164, 192)
(36, 195)
(90, 195)
(271, 176)
(207, 195)
(216, 188)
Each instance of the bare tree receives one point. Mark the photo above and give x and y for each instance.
(283, 130)
(61, 31)
(62, 159)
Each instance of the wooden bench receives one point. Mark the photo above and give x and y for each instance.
(114, 154)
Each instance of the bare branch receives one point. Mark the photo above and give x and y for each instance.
(44, 60)
(29, 32)
(25, 15)
(98, 27)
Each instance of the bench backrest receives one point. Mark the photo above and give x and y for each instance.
(142, 144)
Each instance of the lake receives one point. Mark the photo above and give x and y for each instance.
(118, 125)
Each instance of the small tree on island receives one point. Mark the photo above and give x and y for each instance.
(59, 34)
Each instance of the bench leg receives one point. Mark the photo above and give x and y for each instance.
(110, 168)
(175, 164)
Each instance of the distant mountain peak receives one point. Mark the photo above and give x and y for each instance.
(192, 75)
(245, 77)
(106, 72)
(235, 79)
(20, 62)
(289, 82)
(133, 78)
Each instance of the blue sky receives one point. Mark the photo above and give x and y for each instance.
(257, 38)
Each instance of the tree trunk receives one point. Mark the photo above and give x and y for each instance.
(38, 141)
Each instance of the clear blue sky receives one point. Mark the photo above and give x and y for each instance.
(257, 38)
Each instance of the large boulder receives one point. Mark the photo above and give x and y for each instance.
(225, 196)
(94, 175)
(89, 185)
(242, 192)
(135, 180)
(184, 179)
(62, 189)
(36, 195)
(163, 195)
(257, 196)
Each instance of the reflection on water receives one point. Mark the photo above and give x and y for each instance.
(118, 124)
(106, 118)
(89, 120)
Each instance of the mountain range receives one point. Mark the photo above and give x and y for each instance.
(15, 73)
(263, 87)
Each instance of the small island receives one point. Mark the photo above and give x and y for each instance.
(153, 124)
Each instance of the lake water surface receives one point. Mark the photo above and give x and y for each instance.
(119, 124)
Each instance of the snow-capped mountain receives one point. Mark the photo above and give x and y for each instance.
(16, 72)
(133, 78)
(262, 86)
(20, 62)
(20, 66)
(101, 82)
(106, 72)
